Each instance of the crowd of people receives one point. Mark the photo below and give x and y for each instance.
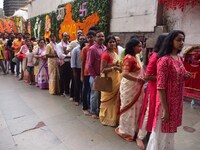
(69, 69)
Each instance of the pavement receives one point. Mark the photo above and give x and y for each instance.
(32, 119)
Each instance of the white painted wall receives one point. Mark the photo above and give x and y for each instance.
(39, 7)
(188, 21)
(133, 15)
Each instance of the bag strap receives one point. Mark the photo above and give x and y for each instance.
(102, 73)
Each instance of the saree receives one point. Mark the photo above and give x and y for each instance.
(131, 95)
(42, 76)
(53, 70)
(109, 108)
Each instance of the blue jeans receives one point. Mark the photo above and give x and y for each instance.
(94, 98)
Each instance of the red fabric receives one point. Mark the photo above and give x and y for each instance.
(21, 56)
(174, 4)
(7, 55)
(170, 76)
(84, 53)
(192, 93)
(193, 82)
(106, 57)
(150, 94)
(130, 63)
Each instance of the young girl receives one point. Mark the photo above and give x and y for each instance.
(30, 63)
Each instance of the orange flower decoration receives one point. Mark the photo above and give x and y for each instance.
(70, 26)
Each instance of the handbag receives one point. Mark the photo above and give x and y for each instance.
(35, 61)
(103, 83)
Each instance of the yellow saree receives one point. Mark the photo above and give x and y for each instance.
(53, 70)
(109, 108)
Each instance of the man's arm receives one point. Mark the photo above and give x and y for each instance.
(59, 51)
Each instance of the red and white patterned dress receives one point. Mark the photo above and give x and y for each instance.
(170, 76)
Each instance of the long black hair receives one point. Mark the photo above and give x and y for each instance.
(167, 45)
(159, 42)
(130, 46)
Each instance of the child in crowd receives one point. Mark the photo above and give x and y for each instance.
(2, 57)
(30, 63)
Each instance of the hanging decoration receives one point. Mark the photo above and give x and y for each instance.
(1, 27)
(20, 24)
(12, 25)
(178, 4)
(47, 26)
(29, 27)
(37, 28)
(6, 26)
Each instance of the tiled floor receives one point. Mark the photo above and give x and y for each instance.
(64, 127)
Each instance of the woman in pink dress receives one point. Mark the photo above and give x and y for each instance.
(169, 100)
(149, 102)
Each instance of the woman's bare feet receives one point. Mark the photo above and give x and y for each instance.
(140, 144)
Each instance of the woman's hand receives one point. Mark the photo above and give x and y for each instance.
(140, 80)
(165, 115)
(187, 74)
(117, 68)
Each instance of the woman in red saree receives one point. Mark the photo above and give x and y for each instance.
(131, 91)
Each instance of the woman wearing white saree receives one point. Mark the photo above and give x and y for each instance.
(131, 91)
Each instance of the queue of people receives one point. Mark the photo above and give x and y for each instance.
(69, 69)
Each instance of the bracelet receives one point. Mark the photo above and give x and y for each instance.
(112, 68)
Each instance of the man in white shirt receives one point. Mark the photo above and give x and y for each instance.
(65, 69)
(75, 43)
(119, 48)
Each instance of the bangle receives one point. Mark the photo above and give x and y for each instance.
(112, 68)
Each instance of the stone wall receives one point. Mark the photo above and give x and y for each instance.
(188, 21)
